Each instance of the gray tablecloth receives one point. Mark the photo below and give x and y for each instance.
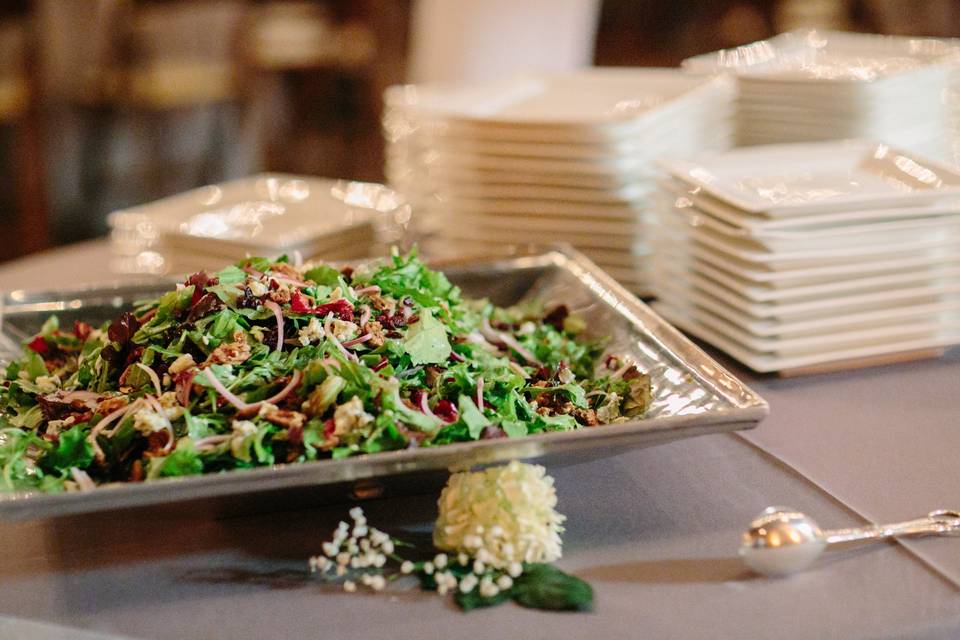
(655, 531)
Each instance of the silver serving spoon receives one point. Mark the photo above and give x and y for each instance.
(781, 541)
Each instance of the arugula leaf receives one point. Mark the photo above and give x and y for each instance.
(471, 416)
(426, 340)
(514, 428)
(72, 451)
(572, 390)
(183, 461)
(231, 275)
(323, 274)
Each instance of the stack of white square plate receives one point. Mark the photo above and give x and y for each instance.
(821, 85)
(789, 256)
(558, 158)
(264, 215)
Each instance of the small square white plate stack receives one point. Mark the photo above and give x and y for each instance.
(263, 215)
(823, 85)
(789, 256)
(559, 158)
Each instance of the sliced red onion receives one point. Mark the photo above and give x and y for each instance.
(622, 370)
(405, 313)
(492, 334)
(364, 315)
(155, 405)
(223, 391)
(253, 272)
(328, 330)
(283, 393)
(82, 479)
(380, 365)
(356, 341)
(211, 441)
(290, 282)
(425, 406)
(154, 378)
(105, 422)
(480, 393)
(367, 290)
(278, 314)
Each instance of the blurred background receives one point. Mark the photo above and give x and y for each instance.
(109, 103)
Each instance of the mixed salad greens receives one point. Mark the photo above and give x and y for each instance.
(268, 362)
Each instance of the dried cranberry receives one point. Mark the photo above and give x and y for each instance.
(446, 411)
(82, 330)
(39, 345)
(556, 316)
(295, 435)
(328, 428)
(207, 304)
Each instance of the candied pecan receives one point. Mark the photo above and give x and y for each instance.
(110, 405)
(587, 417)
(286, 270)
(286, 418)
(280, 295)
(375, 329)
(385, 304)
(231, 352)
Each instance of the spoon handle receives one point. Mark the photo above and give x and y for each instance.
(942, 522)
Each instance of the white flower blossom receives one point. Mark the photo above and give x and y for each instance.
(506, 511)
(468, 583)
(406, 567)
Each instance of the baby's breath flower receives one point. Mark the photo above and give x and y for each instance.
(349, 586)
(387, 546)
(487, 587)
(378, 582)
(440, 561)
(479, 567)
(343, 558)
(507, 511)
(504, 582)
(406, 567)
(463, 559)
(428, 568)
(468, 583)
(330, 549)
(514, 569)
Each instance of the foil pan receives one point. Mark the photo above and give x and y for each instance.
(692, 395)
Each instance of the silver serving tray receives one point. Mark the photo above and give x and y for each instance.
(692, 395)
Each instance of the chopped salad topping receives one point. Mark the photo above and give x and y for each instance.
(266, 362)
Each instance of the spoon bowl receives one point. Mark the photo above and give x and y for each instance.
(781, 541)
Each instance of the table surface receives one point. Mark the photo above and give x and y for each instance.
(654, 531)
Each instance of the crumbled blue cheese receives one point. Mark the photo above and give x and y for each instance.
(350, 417)
(147, 422)
(343, 330)
(257, 288)
(47, 384)
(313, 332)
(171, 406)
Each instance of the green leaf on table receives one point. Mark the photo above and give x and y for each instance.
(426, 340)
(543, 586)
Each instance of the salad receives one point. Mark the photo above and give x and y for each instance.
(271, 362)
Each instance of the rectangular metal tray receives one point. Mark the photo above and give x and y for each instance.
(692, 395)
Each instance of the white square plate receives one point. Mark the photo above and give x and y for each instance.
(808, 178)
